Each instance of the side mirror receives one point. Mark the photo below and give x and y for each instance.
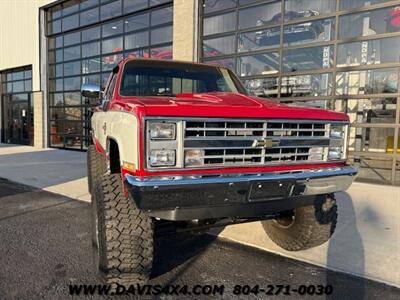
(91, 91)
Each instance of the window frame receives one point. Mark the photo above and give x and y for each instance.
(334, 69)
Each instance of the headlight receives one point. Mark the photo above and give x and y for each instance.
(162, 158)
(337, 131)
(163, 143)
(335, 153)
(337, 143)
(162, 131)
(194, 158)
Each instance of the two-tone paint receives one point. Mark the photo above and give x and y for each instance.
(123, 121)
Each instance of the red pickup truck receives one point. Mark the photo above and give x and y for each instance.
(183, 145)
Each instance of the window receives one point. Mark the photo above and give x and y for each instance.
(306, 85)
(112, 45)
(137, 22)
(161, 16)
(161, 35)
(339, 55)
(90, 49)
(71, 53)
(368, 52)
(368, 23)
(376, 81)
(295, 9)
(314, 31)
(72, 99)
(164, 79)
(111, 10)
(134, 5)
(72, 39)
(70, 22)
(258, 64)
(259, 40)
(213, 5)
(91, 34)
(17, 80)
(334, 105)
(72, 68)
(262, 15)
(89, 3)
(16, 106)
(372, 110)
(219, 46)
(70, 7)
(89, 16)
(113, 28)
(307, 59)
(349, 4)
(226, 62)
(265, 87)
(87, 54)
(91, 65)
(219, 24)
(110, 88)
(375, 169)
(372, 139)
(137, 40)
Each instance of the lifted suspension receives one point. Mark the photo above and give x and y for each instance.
(166, 227)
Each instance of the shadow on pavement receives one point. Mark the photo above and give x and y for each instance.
(178, 251)
(8, 188)
(341, 253)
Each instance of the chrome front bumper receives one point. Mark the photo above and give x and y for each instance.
(207, 196)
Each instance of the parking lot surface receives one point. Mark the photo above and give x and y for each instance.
(45, 246)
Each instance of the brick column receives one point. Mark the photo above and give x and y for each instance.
(185, 30)
(38, 120)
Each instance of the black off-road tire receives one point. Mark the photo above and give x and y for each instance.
(123, 235)
(96, 166)
(309, 227)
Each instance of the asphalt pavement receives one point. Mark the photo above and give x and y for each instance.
(45, 246)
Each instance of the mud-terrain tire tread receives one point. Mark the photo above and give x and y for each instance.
(312, 227)
(96, 166)
(125, 235)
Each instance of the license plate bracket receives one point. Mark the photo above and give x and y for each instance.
(270, 190)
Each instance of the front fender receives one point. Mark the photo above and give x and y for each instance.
(123, 128)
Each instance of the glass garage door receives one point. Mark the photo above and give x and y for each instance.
(86, 39)
(331, 54)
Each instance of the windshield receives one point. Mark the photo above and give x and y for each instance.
(163, 78)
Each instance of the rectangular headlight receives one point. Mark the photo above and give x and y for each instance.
(162, 131)
(337, 131)
(335, 153)
(162, 158)
(337, 144)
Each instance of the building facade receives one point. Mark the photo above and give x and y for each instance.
(336, 54)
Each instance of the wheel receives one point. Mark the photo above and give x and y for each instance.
(96, 166)
(305, 227)
(123, 235)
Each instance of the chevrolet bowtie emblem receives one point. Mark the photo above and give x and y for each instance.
(265, 143)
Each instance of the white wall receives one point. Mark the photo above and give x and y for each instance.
(19, 35)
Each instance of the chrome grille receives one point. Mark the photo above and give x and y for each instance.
(236, 142)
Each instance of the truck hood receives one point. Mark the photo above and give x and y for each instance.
(221, 105)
